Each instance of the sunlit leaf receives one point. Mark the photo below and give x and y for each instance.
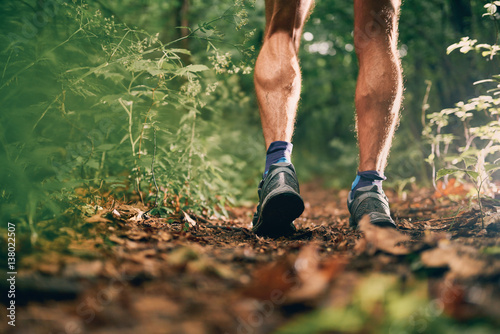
(446, 171)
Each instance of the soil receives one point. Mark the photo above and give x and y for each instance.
(123, 271)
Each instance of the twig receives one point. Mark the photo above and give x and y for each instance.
(148, 116)
(153, 167)
(203, 220)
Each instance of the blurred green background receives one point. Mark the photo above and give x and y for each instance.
(92, 92)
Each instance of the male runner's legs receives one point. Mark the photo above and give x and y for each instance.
(277, 84)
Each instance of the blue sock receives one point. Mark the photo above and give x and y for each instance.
(367, 178)
(278, 151)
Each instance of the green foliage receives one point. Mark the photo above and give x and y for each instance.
(476, 152)
(87, 100)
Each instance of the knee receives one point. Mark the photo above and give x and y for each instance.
(377, 27)
(286, 17)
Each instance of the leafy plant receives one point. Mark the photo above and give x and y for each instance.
(96, 109)
(477, 155)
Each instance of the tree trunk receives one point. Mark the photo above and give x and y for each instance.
(182, 20)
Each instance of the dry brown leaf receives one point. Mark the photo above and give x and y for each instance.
(315, 276)
(128, 209)
(139, 216)
(384, 239)
(132, 245)
(83, 269)
(97, 218)
(148, 305)
(141, 256)
(492, 222)
(162, 236)
(85, 247)
(434, 238)
(137, 235)
(296, 280)
(189, 220)
(406, 224)
(49, 268)
(116, 239)
(273, 280)
(463, 261)
(437, 257)
(110, 270)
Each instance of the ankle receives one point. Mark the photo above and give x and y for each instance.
(367, 178)
(278, 151)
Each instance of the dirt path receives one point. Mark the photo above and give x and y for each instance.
(124, 272)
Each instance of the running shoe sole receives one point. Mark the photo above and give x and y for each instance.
(278, 212)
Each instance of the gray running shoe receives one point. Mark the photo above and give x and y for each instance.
(371, 201)
(280, 202)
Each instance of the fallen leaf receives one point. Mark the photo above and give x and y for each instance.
(492, 222)
(97, 218)
(49, 268)
(315, 276)
(137, 217)
(132, 245)
(383, 239)
(83, 269)
(273, 280)
(156, 305)
(142, 256)
(295, 279)
(432, 239)
(116, 239)
(451, 188)
(137, 235)
(162, 236)
(189, 220)
(463, 261)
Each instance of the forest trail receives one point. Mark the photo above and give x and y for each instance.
(125, 272)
